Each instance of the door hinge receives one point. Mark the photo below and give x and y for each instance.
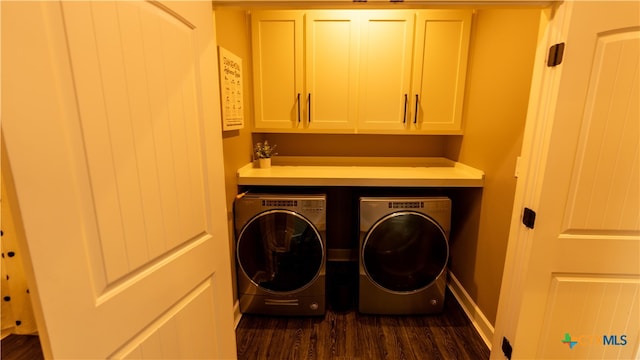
(506, 348)
(529, 218)
(555, 55)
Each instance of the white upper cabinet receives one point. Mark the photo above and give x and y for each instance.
(440, 66)
(305, 77)
(354, 71)
(332, 45)
(277, 69)
(385, 69)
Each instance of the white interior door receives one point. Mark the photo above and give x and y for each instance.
(110, 119)
(572, 284)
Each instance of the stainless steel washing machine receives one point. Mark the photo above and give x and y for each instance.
(280, 252)
(404, 251)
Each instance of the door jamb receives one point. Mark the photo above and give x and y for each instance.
(537, 134)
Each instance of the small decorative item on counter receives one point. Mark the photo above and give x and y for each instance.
(264, 151)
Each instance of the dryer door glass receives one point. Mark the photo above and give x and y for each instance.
(280, 251)
(405, 251)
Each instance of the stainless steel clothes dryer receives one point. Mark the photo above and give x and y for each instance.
(404, 252)
(280, 251)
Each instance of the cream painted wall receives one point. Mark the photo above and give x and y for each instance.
(499, 75)
(356, 145)
(232, 29)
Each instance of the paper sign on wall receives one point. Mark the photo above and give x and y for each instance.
(231, 90)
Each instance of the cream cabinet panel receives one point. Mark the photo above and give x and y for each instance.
(385, 69)
(277, 69)
(360, 71)
(440, 65)
(332, 45)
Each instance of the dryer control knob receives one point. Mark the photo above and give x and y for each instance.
(314, 306)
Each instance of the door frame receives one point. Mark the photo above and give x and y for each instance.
(530, 173)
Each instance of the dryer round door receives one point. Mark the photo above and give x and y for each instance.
(280, 251)
(405, 251)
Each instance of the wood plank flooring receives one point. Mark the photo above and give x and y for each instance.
(21, 347)
(350, 335)
(337, 335)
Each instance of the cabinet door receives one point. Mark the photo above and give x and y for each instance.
(385, 69)
(332, 46)
(277, 69)
(440, 65)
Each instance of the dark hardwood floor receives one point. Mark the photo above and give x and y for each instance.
(21, 347)
(337, 335)
(350, 335)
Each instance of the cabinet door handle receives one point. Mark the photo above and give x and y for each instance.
(298, 108)
(309, 113)
(404, 117)
(415, 116)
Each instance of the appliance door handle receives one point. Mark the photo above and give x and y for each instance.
(415, 116)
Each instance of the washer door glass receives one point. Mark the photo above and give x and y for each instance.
(405, 251)
(280, 251)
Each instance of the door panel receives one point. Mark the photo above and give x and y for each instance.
(171, 336)
(595, 302)
(575, 291)
(603, 195)
(600, 229)
(148, 135)
(112, 129)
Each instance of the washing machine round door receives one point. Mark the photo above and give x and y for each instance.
(280, 251)
(405, 251)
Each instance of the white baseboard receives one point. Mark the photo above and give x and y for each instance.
(237, 315)
(479, 321)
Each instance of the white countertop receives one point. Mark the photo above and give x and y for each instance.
(322, 171)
